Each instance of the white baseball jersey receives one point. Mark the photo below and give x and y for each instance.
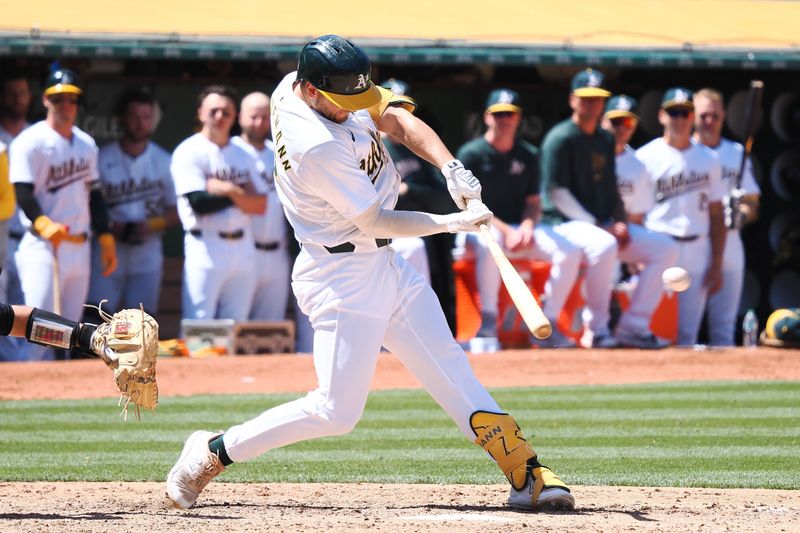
(633, 182)
(335, 185)
(271, 226)
(684, 183)
(196, 160)
(730, 157)
(136, 189)
(61, 171)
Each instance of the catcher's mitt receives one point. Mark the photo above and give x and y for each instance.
(128, 343)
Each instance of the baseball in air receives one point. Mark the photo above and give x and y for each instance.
(676, 279)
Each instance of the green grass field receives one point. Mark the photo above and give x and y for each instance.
(717, 434)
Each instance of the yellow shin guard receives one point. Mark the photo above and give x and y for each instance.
(501, 437)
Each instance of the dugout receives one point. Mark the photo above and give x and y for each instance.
(452, 57)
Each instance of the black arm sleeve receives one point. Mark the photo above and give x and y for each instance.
(26, 201)
(98, 212)
(204, 203)
(6, 319)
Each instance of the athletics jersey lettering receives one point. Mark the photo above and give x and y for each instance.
(131, 190)
(67, 172)
(671, 186)
(280, 148)
(373, 163)
(239, 176)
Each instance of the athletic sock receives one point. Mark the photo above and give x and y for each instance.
(218, 447)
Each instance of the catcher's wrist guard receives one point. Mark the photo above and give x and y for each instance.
(50, 329)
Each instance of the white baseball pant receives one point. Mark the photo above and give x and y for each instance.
(271, 291)
(358, 302)
(723, 305)
(695, 257)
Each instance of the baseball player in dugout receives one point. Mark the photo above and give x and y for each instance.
(137, 187)
(271, 293)
(508, 169)
(740, 207)
(580, 196)
(53, 165)
(687, 179)
(219, 186)
(338, 188)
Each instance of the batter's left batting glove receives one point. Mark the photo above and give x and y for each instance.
(462, 185)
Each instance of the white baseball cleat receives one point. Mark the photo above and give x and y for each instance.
(544, 491)
(195, 468)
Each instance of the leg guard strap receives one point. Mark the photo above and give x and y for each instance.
(501, 437)
(543, 478)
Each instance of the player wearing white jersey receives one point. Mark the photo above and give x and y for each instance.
(688, 192)
(338, 187)
(271, 293)
(54, 168)
(138, 189)
(723, 305)
(218, 187)
(636, 189)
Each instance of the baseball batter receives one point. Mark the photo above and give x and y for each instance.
(338, 188)
(723, 305)
(271, 293)
(136, 183)
(54, 167)
(218, 185)
(688, 192)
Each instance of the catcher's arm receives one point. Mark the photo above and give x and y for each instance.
(127, 342)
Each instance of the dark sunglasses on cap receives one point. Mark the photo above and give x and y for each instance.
(503, 114)
(61, 98)
(678, 112)
(627, 122)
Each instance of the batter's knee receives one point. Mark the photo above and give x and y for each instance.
(340, 423)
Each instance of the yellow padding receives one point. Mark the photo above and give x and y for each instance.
(389, 98)
(501, 437)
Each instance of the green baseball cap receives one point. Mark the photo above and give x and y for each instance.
(501, 100)
(621, 105)
(589, 83)
(677, 97)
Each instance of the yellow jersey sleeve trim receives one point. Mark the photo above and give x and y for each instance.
(388, 98)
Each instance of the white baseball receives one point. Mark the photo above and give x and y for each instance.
(676, 279)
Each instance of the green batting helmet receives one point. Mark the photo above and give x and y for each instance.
(62, 81)
(340, 70)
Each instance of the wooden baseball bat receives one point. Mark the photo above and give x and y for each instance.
(752, 112)
(519, 291)
(56, 284)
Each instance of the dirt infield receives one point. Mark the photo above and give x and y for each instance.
(404, 508)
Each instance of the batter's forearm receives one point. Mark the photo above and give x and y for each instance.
(252, 204)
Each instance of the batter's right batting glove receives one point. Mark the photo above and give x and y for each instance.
(462, 185)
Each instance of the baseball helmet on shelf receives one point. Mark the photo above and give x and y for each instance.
(340, 70)
(61, 81)
(783, 329)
